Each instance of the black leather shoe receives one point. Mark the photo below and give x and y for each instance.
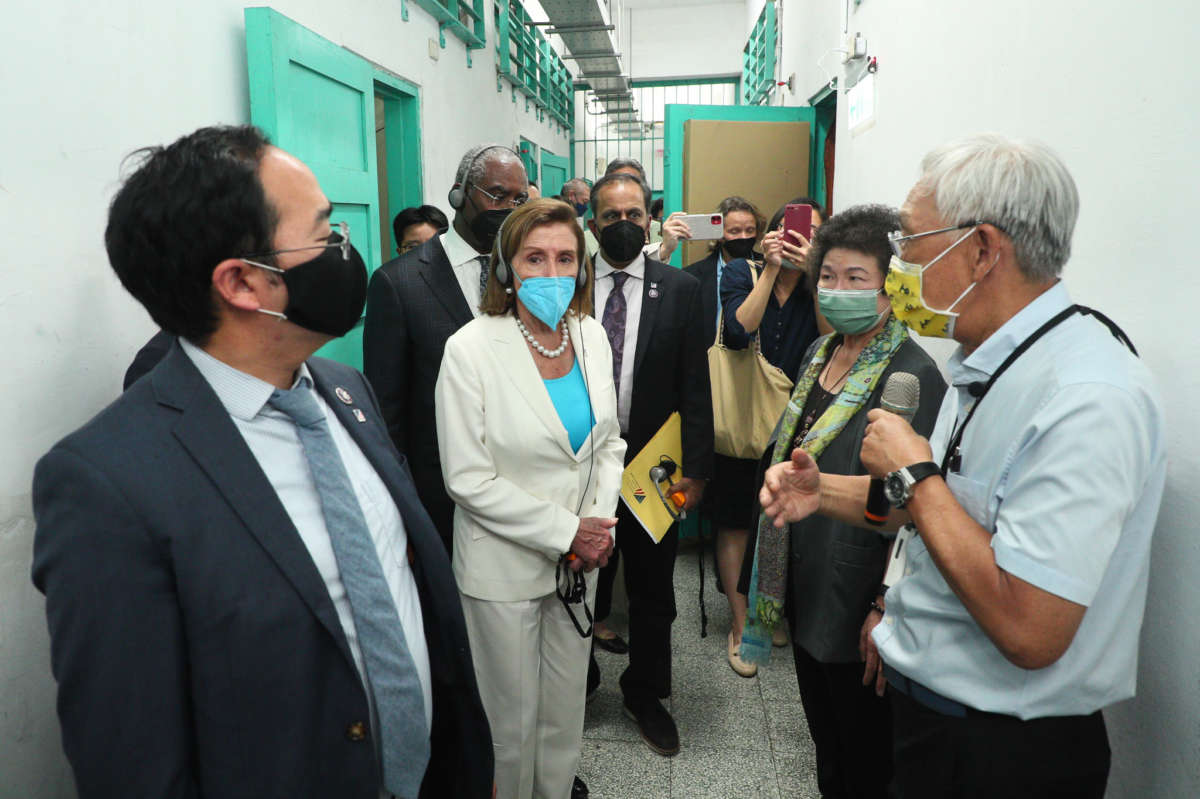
(579, 790)
(656, 726)
(616, 644)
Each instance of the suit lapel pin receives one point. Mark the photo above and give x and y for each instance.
(359, 415)
(343, 395)
(653, 292)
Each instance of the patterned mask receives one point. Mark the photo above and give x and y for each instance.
(905, 288)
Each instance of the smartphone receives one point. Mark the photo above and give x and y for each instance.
(705, 227)
(798, 218)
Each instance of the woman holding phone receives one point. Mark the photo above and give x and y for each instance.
(776, 303)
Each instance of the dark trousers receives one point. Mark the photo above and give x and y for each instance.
(650, 585)
(987, 755)
(431, 490)
(851, 728)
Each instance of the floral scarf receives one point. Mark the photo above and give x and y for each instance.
(768, 580)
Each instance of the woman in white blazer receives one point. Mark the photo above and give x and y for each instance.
(532, 457)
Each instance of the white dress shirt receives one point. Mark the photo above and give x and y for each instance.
(271, 436)
(633, 314)
(465, 262)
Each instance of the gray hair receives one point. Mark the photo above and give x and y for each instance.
(573, 185)
(475, 161)
(620, 177)
(1018, 185)
(624, 162)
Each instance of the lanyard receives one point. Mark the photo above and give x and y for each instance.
(952, 458)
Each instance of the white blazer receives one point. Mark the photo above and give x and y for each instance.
(507, 461)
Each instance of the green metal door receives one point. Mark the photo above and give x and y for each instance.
(673, 142)
(316, 100)
(555, 172)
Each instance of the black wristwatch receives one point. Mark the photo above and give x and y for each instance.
(898, 486)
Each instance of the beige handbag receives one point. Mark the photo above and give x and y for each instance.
(748, 395)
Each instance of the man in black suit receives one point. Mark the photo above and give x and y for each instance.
(226, 618)
(417, 301)
(652, 314)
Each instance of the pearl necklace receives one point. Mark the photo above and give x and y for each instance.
(554, 353)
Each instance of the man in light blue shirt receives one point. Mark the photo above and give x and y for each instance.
(1012, 617)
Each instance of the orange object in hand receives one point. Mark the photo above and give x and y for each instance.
(679, 497)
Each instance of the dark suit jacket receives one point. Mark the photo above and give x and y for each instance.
(705, 270)
(414, 303)
(670, 368)
(148, 357)
(195, 645)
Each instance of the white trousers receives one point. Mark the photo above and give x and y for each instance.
(531, 665)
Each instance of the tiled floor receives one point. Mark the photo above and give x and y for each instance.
(739, 737)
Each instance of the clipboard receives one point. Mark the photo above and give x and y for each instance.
(640, 493)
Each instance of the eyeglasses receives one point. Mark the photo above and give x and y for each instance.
(338, 238)
(499, 199)
(897, 238)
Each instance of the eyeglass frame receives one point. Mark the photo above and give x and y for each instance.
(896, 237)
(344, 244)
(517, 200)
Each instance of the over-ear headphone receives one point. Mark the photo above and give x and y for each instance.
(504, 273)
(457, 197)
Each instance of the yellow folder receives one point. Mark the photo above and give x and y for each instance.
(638, 489)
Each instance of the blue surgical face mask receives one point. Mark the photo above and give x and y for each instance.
(547, 298)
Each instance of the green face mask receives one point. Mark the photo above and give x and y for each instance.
(850, 311)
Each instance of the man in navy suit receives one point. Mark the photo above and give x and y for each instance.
(226, 618)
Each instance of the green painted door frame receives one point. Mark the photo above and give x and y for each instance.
(529, 157)
(824, 103)
(678, 114)
(402, 125)
(316, 100)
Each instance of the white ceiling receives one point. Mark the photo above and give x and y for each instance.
(680, 3)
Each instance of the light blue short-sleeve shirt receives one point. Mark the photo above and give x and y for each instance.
(1064, 462)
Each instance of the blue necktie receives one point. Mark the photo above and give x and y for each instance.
(403, 736)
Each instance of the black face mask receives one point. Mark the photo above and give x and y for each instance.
(486, 225)
(622, 241)
(327, 294)
(738, 248)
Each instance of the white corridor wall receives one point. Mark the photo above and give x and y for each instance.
(1110, 86)
(672, 40)
(83, 85)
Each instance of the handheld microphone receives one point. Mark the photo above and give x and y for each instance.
(901, 393)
